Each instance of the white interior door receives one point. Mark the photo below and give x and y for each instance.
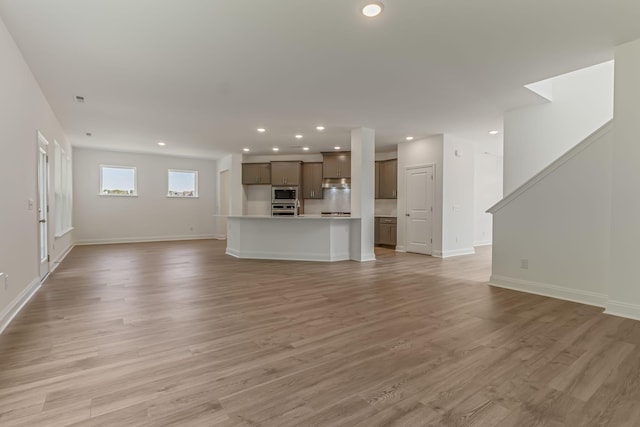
(419, 209)
(43, 206)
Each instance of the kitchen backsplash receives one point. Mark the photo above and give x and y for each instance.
(335, 200)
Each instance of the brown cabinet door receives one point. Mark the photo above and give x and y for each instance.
(388, 179)
(256, 173)
(336, 165)
(312, 181)
(286, 173)
(376, 231)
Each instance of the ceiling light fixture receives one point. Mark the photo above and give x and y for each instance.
(261, 130)
(493, 132)
(162, 144)
(409, 138)
(276, 149)
(320, 128)
(88, 134)
(305, 148)
(79, 99)
(372, 8)
(298, 136)
(246, 150)
(336, 148)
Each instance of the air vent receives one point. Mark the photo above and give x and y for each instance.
(79, 99)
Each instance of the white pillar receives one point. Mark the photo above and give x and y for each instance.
(362, 193)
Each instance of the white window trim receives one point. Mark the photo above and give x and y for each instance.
(195, 196)
(135, 181)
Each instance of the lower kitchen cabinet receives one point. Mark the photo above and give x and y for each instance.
(386, 229)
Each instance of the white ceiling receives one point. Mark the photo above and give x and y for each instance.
(202, 75)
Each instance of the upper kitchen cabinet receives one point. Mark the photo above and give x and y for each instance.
(312, 181)
(286, 173)
(256, 173)
(387, 179)
(336, 165)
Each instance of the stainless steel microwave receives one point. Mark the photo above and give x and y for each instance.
(284, 194)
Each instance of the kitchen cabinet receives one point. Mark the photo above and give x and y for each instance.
(286, 173)
(387, 179)
(312, 181)
(386, 230)
(256, 173)
(336, 165)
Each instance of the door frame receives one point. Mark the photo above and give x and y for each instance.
(42, 146)
(406, 198)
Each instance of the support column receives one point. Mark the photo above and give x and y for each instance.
(362, 193)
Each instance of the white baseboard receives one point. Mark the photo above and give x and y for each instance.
(365, 257)
(558, 292)
(623, 309)
(7, 315)
(220, 236)
(455, 252)
(482, 243)
(56, 262)
(117, 240)
(283, 256)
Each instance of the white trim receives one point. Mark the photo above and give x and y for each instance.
(586, 143)
(558, 292)
(64, 233)
(623, 309)
(483, 243)
(10, 312)
(220, 236)
(56, 262)
(454, 252)
(118, 240)
(294, 256)
(434, 178)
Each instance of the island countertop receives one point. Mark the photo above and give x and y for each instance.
(281, 217)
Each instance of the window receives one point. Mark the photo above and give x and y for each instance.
(118, 181)
(183, 183)
(62, 190)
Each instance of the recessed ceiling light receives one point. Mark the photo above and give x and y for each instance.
(493, 132)
(162, 144)
(336, 148)
(276, 149)
(246, 150)
(79, 99)
(305, 148)
(88, 134)
(372, 9)
(320, 128)
(261, 130)
(409, 138)
(298, 136)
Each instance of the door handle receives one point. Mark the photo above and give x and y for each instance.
(42, 221)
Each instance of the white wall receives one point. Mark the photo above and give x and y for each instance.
(624, 291)
(487, 187)
(428, 151)
(23, 111)
(457, 197)
(560, 226)
(150, 216)
(535, 136)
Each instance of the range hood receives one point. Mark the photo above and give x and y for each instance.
(340, 183)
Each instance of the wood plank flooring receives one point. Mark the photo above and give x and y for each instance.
(179, 334)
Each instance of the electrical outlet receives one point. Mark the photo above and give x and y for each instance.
(524, 264)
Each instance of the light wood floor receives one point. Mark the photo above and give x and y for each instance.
(180, 334)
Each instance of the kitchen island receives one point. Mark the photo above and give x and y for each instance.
(294, 238)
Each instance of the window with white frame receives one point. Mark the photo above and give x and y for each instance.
(118, 181)
(62, 190)
(182, 183)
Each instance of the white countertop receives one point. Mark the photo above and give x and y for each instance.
(285, 217)
(385, 216)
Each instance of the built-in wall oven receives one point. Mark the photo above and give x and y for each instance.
(284, 201)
